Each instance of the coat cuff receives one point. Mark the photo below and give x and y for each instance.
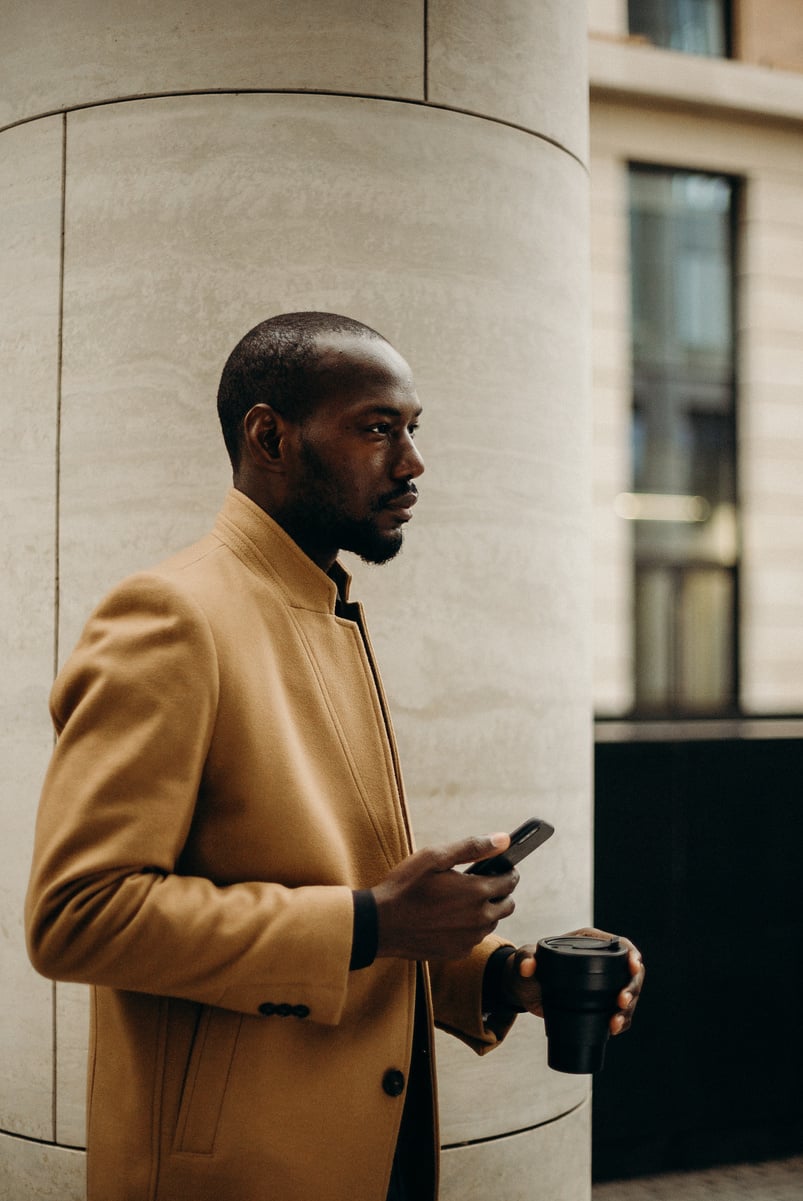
(458, 987)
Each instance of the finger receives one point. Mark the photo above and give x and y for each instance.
(469, 850)
(497, 909)
(627, 1001)
(526, 965)
(628, 998)
(637, 973)
(623, 1018)
(497, 887)
(524, 969)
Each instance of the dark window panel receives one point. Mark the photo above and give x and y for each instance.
(690, 26)
(684, 441)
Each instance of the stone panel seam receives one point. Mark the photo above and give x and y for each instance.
(494, 1138)
(59, 372)
(57, 554)
(426, 51)
(39, 1142)
(411, 100)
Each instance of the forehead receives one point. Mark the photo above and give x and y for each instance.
(349, 367)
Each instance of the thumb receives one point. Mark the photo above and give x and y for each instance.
(526, 966)
(469, 850)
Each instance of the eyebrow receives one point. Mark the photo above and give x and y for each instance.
(391, 410)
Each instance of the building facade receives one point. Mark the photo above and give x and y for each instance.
(697, 285)
(697, 234)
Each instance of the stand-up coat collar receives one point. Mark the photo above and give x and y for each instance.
(262, 543)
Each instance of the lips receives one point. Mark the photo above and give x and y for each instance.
(402, 505)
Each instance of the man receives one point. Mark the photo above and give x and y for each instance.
(223, 849)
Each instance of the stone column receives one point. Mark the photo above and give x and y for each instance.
(172, 173)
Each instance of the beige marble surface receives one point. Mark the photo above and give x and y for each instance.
(72, 1030)
(58, 57)
(36, 1172)
(511, 1089)
(188, 218)
(30, 184)
(445, 232)
(553, 1163)
(514, 61)
(511, 60)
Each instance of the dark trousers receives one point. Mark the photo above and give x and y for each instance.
(413, 1175)
(396, 1190)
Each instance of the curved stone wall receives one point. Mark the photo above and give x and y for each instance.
(173, 173)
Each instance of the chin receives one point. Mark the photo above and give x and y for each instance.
(379, 550)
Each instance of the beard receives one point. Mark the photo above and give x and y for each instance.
(373, 546)
(322, 514)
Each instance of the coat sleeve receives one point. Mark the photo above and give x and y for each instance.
(134, 710)
(457, 998)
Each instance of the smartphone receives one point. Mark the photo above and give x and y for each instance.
(525, 838)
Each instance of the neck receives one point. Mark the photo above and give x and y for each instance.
(322, 556)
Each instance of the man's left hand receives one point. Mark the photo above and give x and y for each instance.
(524, 990)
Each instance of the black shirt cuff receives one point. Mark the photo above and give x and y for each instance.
(494, 999)
(365, 936)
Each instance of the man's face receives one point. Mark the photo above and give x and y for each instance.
(352, 462)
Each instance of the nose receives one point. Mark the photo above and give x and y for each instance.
(410, 463)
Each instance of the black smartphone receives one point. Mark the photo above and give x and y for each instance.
(525, 838)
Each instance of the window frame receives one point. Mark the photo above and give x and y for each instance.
(675, 706)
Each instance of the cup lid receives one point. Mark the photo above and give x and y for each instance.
(582, 944)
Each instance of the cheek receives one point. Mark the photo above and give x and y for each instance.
(361, 480)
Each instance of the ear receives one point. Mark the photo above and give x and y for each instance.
(264, 435)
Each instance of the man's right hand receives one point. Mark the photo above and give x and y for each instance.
(427, 910)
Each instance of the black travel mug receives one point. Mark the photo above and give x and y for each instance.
(580, 979)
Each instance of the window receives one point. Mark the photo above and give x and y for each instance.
(683, 503)
(691, 26)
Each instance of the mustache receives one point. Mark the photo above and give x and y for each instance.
(405, 489)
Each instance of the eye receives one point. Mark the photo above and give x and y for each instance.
(380, 427)
(412, 429)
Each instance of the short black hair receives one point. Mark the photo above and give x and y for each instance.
(275, 364)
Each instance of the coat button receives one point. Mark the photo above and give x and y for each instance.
(267, 1009)
(301, 1011)
(393, 1082)
(284, 1010)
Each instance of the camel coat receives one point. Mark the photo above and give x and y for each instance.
(225, 775)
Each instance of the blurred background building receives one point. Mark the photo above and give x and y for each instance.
(697, 270)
